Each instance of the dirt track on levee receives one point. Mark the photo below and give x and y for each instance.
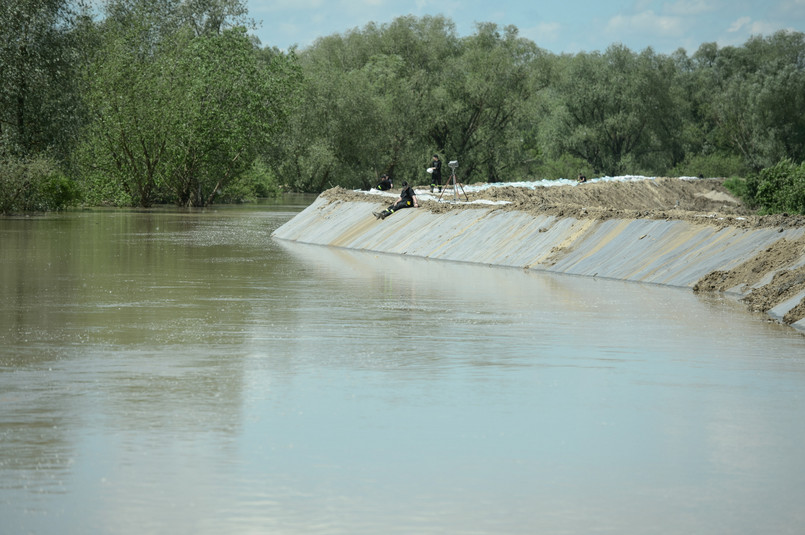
(702, 201)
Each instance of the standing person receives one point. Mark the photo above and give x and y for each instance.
(435, 171)
(385, 183)
(407, 199)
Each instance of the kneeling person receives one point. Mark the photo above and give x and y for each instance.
(406, 200)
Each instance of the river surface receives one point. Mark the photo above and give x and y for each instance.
(182, 372)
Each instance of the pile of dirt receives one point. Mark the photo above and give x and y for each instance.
(702, 201)
(699, 201)
(787, 282)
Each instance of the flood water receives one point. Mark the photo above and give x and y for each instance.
(183, 372)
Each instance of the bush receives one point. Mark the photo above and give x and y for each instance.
(58, 193)
(777, 189)
(259, 182)
(737, 186)
(34, 185)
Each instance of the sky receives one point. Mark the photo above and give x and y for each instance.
(569, 26)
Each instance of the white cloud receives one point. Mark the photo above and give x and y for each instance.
(738, 24)
(543, 33)
(765, 28)
(549, 30)
(744, 28)
(687, 8)
(646, 22)
(284, 5)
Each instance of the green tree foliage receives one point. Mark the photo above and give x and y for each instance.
(385, 98)
(488, 88)
(173, 101)
(365, 105)
(40, 50)
(178, 115)
(41, 47)
(752, 98)
(616, 111)
(776, 189)
(234, 107)
(33, 184)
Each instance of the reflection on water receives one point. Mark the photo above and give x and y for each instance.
(183, 372)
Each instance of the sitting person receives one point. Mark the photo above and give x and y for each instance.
(385, 183)
(582, 179)
(407, 198)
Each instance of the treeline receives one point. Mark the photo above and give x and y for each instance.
(174, 102)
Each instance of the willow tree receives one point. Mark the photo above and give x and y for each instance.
(368, 104)
(617, 110)
(178, 113)
(753, 98)
(41, 44)
(40, 47)
(485, 104)
(385, 98)
(227, 106)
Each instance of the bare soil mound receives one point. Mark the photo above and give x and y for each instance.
(703, 201)
(788, 281)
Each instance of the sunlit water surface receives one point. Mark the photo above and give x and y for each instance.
(183, 372)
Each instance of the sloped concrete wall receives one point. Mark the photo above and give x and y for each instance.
(673, 252)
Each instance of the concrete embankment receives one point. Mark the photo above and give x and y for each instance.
(658, 251)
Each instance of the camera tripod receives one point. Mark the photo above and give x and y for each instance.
(455, 183)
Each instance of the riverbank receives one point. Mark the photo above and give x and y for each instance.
(679, 232)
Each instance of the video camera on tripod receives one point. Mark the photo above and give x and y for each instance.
(454, 182)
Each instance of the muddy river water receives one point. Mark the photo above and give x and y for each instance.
(183, 372)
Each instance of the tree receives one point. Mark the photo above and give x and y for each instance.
(753, 98)
(40, 46)
(178, 115)
(367, 102)
(485, 103)
(233, 108)
(385, 98)
(616, 109)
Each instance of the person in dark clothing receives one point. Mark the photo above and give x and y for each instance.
(435, 171)
(406, 200)
(385, 183)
